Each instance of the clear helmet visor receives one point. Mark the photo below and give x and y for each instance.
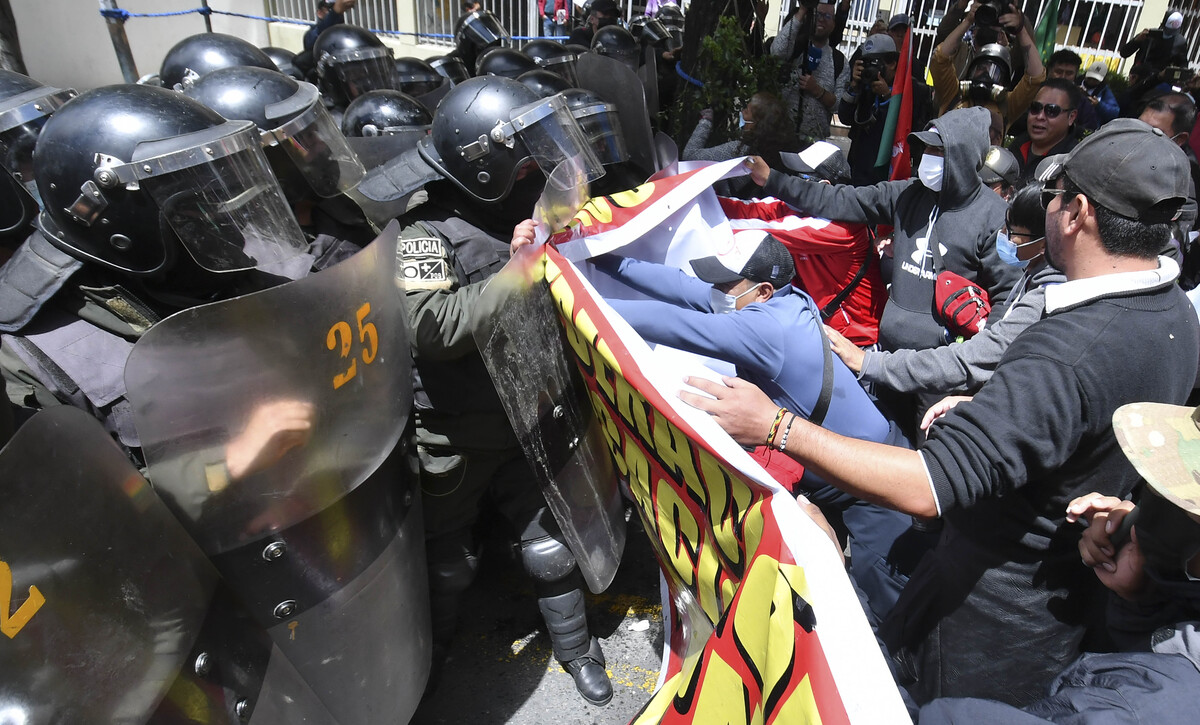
(451, 68)
(481, 29)
(552, 136)
(360, 71)
(630, 57)
(16, 154)
(602, 127)
(315, 144)
(563, 67)
(225, 206)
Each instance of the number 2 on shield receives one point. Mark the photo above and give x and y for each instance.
(341, 338)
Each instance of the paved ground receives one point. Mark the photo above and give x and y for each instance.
(501, 669)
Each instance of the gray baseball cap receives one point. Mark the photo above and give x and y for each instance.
(1130, 168)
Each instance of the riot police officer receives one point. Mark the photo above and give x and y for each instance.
(492, 139)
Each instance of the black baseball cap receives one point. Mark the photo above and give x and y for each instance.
(1130, 168)
(755, 255)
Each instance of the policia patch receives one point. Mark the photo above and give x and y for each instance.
(423, 264)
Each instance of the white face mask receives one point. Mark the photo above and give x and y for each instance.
(930, 171)
(722, 303)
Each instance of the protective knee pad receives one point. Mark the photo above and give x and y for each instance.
(548, 561)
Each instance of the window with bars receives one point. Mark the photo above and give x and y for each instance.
(373, 14)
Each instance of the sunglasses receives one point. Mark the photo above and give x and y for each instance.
(1048, 195)
(1052, 110)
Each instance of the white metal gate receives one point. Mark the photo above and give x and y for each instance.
(372, 14)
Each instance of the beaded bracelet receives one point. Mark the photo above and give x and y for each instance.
(788, 429)
(775, 426)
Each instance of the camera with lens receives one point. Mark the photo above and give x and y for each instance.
(872, 68)
(988, 13)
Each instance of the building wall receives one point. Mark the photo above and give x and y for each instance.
(66, 42)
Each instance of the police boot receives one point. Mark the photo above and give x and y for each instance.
(575, 649)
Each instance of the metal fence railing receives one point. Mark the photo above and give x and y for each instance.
(373, 14)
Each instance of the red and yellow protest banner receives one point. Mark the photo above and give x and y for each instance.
(750, 638)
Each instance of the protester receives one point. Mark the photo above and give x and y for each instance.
(986, 77)
(1174, 114)
(947, 205)
(819, 72)
(602, 14)
(556, 16)
(1065, 63)
(329, 14)
(996, 609)
(865, 104)
(743, 310)
(965, 366)
(1099, 95)
(764, 130)
(1000, 172)
(1154, 598)
(1049, 127)
(898, 27)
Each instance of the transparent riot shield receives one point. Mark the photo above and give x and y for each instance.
(102, 592)
(616, 84)
(565, 193)
(525, 351)
(270, 423)
(667, 152)
(648, 73)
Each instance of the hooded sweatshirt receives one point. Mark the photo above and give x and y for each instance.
(962, 219)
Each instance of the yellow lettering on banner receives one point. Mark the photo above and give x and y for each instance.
(602, 366)
(587, 328)
(728, 497)
(612, 434)
(721, 697)
(632, 407)
(633, 197)
(578, 345)
(12, 623)
(564, 296)
(597, 208)
(677, 530)
(638, 467)
(800, 707)
(752, 527)
(675, 451)
(708, 580)
(550, 269)
(654, 711)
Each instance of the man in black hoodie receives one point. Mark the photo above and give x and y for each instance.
(947, 203)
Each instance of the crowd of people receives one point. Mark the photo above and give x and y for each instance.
(978, 374)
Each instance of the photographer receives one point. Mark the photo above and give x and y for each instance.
(987, 76)
(1160, 48)
(864, 106)
(819, 72)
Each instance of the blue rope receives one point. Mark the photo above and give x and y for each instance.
(680, 72)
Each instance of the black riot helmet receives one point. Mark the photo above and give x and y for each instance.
(601, 125)
(351, 61)
(554, 57)
(505, 62)
(303, 143)
(651, 32)
(25, 104)
(543, 82)
(207, 52)
(617, 43)
(284, 61)
(143, 180)
(489, 130)
(384, 113)
(416, 77)
(451, 67)
(672, 18)
(478, 30)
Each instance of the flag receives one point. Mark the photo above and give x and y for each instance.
(899, 119)
(1047, 30)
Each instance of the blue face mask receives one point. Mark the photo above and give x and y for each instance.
(741, 121)
(1007, 250)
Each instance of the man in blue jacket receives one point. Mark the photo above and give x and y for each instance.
(744, 310)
